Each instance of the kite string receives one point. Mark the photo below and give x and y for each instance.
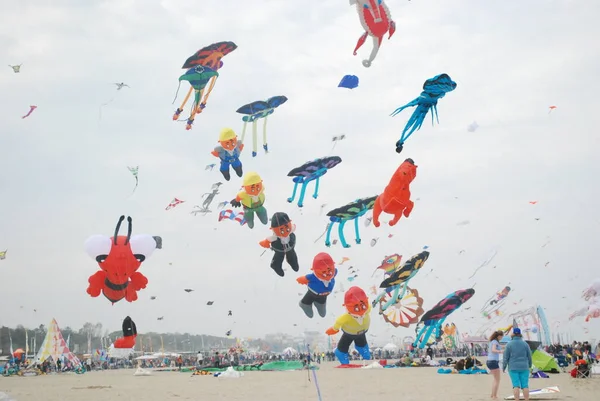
(314, 375)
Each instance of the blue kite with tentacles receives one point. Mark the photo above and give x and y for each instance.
(352, 211)
(433, 89)
(311, 171)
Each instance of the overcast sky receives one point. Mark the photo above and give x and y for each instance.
(64, 168)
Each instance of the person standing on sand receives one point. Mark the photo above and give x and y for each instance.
(493, 360)
(517, 356)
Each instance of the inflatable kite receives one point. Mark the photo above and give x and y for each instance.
(349, 81)
(311, 171)
(129, 335)
(352, 211)
(591, 308)
(231, 215)
(252, 198)
(354, 325)
(255, 111)
(119, 258)
(376, 20)
(395, 198)
(397, 280)
(209, 197)
(434, 318)
(433, 89)
(16, 68)
(228, 152)
(282, 242)
(320, 284)
(31, 110)
(201, 72)
(492, 305)
(404, 311)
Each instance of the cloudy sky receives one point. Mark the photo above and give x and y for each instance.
(65, 172)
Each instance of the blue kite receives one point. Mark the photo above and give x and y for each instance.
(255, 111)
(349, 81)
(433, 89)
(311, 171)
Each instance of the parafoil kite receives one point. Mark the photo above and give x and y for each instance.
(395, 198)
(129, 334)
(255, 111)
(201, 72)
(229, 153)
(433, 89)
(320, 283)
(31, 109)
(16, 68)
(349, 81)
(341, 215)
(433, 319)
(354, 325)
(282, 242)
(252, 199)
(376, 20)
(231, 215)
(311, 171)
(119, 258)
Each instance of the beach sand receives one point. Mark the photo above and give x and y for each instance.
(406, 384)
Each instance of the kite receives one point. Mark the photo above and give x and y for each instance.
(354, 325)
(472, 128)
(252, 198)
(121, 85)
(320, 283)
(209, 303)
(202, 71)
(16, 68)
(433, 319)
(349, 81)
(404, 311)
(493, 304)
(255, 111)
(335, 139)
(344, 260)
(282, 242)
(160, 318)
(152, 298)
(3, 254)
(341, 215)
(590, 292)
(209, 197)
(230, 313)
(209, 167)
(311, 171)
(395, 198)
(188, 290)
(374, 242)
(551, 108)
(119, 258)
(228, 333)
(134, 172)
(229, 153)
(397, 277)
(129, 334)
(174, 203)
(376, 20)
(231, 215)
(433, 89)
(223, 204)
(31, 109)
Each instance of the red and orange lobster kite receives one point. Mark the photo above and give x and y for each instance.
(376, 20)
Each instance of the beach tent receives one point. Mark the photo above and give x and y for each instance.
(390, 347)
(55, 347)
(290, 351)
(544, 361)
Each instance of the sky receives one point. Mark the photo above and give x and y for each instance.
(65, 174)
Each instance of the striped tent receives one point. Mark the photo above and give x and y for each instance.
(55, 347)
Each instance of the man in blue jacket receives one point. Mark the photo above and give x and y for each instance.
(517, 356)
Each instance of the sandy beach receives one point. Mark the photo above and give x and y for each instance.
(422, 384)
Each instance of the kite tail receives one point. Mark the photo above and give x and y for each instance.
(410, 104)
(176, 92)
(244, 131)
(414, 123)
(436, 115)
(265, 146)
(254, 138)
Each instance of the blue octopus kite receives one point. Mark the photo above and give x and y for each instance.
(255, 111)
(433, 89)
(311, 171)
(351, 211)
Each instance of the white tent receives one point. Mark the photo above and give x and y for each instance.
(290, 351)
(390, 347)
(55, 347)
(119, 353)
